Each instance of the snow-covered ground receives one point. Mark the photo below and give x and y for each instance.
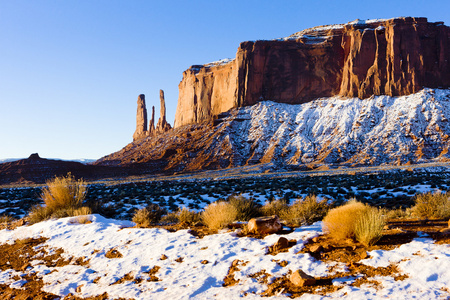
(335, 130)
(183, 275)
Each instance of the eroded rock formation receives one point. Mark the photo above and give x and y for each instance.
(142, 129)
(162, 125)
(361, 58)
(151, 127)
(141, 119)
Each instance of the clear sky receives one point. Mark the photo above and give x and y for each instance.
(71, 70)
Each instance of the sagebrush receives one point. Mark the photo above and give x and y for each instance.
(62, 197)
(432, 205)
(219, 214)
(355, 220)
(245, 208)
(147, 216)
(275, 207)
(305, 211)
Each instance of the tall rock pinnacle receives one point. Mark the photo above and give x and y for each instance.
(141, 119)
(151, 126)
(162, 125)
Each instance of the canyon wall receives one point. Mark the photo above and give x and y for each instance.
(361, 58)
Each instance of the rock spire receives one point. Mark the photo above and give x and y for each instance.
(143, 129)
(151, 126)
(141, 119)
(162, 125)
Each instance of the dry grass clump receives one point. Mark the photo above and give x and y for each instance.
(188, 216)
(432, 205)
(369, 226)
(217, 215)
(275, 207)
(4, 219)
(149, 215)
(355, 220)
(63, 197)
(183, 216)
(398, 213)
(64, 192)
(305, 211)
(245, 208)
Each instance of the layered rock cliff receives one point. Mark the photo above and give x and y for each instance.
(361, 58)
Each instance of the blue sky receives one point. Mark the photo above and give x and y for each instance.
(71, 71)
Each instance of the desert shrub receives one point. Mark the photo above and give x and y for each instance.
(188, 216)
(184, 215)
(142, 218)
(245, 208)
(217, 215)
(149, 215)
(397, 213)
(432, 205)
(39, 213)
(306, 211)
(369, 226)
(170, 218)
(64, 192)
(82, 211)
(6, 219)
(276, 207)
(355, 220)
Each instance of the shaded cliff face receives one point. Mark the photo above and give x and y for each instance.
(361, 58)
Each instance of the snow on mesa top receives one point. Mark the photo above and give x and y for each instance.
(314, 34)
(323, 29)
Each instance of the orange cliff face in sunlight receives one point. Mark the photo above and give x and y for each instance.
(362, 58)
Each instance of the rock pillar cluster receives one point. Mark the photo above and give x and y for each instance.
(143, 129)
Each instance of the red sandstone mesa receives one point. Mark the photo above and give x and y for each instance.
(362, 58)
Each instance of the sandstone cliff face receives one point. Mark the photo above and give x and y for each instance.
(361, 58)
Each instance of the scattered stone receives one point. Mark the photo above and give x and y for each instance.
(364, 255)
(300, 278)
(204, 262)
(163, 257)
(25, 266)
(113, 253)
(281, 245)
(179, 259)
(283, 263)
(445, 231)
(316, 248)
(264, 225)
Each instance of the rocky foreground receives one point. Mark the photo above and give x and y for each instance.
(97, 258)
